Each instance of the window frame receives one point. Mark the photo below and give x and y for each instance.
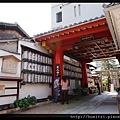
(79, 11)
(59, 17)
(75, 11)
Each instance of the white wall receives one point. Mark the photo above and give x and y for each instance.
(7, 100)
(37, 90)
(87, 11)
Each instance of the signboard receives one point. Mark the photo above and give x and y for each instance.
(2, 89)
(87, 37)
(9, 65)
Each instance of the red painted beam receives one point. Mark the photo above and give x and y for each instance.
(70, 41)
(96, 36)
(66, 47)
(78, 34)
(51, 46)
(74, 28)
(102, 34)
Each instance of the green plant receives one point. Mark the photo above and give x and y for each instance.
(25, 102)
(50, 97)
(16, 103)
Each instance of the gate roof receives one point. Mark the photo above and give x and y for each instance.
(90, 39)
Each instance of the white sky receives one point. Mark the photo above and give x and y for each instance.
(33, 18)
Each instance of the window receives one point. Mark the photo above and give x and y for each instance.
(59, 17)
(79, 9)
(75, 11)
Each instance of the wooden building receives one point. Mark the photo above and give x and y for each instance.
(25, 66)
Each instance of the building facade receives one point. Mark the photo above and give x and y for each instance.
(22, 58)
(64, 14)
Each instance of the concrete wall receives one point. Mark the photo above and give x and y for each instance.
(87, 11)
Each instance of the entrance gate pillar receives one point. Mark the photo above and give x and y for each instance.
(58, 63)
(84, 73)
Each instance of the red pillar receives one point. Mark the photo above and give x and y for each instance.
(58, 60)
(84, 72)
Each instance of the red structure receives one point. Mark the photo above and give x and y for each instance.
(85, 36)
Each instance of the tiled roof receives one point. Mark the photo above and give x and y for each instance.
(69, 26)
(110, 5)
(9, 26)
(7, 36)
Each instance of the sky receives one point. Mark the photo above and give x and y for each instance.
(33, 18)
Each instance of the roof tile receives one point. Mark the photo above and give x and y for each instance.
(65, 26)
(84, 21)
(71, 25)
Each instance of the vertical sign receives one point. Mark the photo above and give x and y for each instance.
(58, 74)
(57, 70)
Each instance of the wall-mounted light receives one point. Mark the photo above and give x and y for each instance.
(102, 42)
(76, 47)
(61, 5)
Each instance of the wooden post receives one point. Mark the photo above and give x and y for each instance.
(101, 88)
(84, 73)
(17, 97)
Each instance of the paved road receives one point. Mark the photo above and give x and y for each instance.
(90, 104)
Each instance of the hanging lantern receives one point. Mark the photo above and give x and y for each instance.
(43, 43)
(50, 51)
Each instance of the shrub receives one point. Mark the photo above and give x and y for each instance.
(25, 102)
(50, 97)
